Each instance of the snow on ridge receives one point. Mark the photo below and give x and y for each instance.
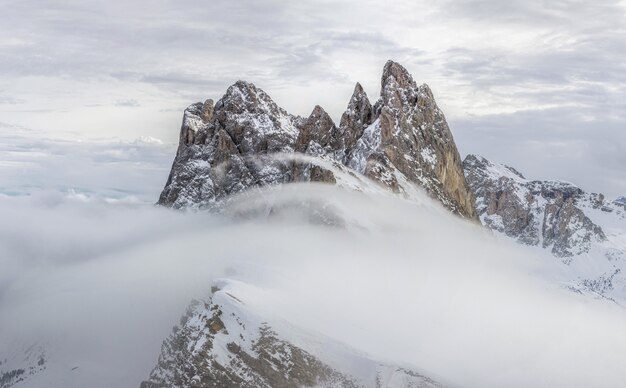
(585, 231)
(236, 340)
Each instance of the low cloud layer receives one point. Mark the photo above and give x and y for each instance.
(128, 171)
(102, 284)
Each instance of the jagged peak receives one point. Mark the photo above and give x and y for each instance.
(477, 161)
(248, 92)
(358, 89)
(246, 96)
(318, 111)
(359, 108)
(473, 158)
(395, 72)
(358, 95)
(244, 89)
(319, 115)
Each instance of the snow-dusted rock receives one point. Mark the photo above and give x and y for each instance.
(240, 143)
(223, 342)
(585, 230)
(19, 364)
(410, 137)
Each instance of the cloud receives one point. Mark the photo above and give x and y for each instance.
(130, 103)
(10, 100)
(117, 170)
(571, 143)
(403, 282)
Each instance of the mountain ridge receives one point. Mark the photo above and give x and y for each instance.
(586, 231)
(230, 146)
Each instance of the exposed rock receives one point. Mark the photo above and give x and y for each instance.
(317, 132)
(411, 133)
(358, 116)
(224, 343)
(241, 142)
(557, 216)
(229, 153)
(545, 213)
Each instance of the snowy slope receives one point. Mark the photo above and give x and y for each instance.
(584, 230)
(223, 342)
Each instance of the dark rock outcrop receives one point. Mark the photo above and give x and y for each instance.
(550, 214)
(240, 143)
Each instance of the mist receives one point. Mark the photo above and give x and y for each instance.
(101, 284)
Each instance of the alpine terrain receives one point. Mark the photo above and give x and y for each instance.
(245, 140)
(586, 231)
(401, 141)
(240, 156)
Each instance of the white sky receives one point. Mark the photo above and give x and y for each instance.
(534, 84)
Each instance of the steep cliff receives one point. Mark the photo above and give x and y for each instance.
(244, 141)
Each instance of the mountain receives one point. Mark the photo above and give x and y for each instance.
(246, 140)
(19, 364)
(584, 230)
(222, 342)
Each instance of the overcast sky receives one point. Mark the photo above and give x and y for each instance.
(539, 85)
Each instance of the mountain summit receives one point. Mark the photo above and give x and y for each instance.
(240, 143)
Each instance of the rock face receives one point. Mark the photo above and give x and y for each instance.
(222, 342)
(241, 142)
(584, 230)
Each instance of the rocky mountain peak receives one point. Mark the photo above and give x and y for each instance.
(416, 140)
(317, 130)
(319, 113)
(358, 116)
(402, 141)
(359, 108)
(394, 74)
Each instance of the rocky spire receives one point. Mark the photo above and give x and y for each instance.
(316, 131)
(402, 141)
(395, 74)
(410, 140)
(356, 118)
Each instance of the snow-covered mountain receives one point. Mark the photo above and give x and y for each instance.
(402, 141)
(235, 155)
(585, 230)
(222, 342)
(245, 140)
(21, 363)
